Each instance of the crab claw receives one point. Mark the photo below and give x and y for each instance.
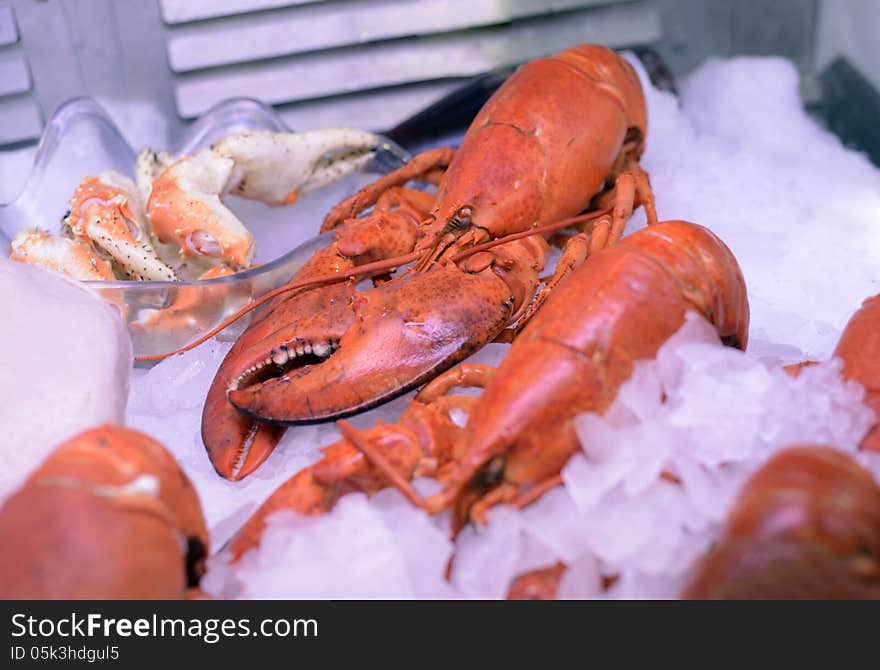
(185, 204)
(105, 211)
(393, 338)
(74, 258)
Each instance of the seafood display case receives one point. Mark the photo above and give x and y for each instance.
(580, 347)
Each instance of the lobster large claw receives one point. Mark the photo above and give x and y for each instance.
(236, 444)
(396, 336)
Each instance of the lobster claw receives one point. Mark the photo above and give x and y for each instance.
(236, 444)
(397, 335)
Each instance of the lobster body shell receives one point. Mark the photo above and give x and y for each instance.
(620, 306)
(109, 514)
(859, 347)
(806, 525)
(546, 142)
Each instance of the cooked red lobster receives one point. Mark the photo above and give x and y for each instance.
(560, 131)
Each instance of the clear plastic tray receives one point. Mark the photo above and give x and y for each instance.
(81, 139)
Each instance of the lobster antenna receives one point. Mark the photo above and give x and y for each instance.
(367, 269)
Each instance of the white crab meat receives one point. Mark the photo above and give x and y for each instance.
(276, 168)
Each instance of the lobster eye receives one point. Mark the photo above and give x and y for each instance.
(460, 221)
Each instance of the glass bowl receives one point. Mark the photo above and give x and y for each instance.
(81, 139)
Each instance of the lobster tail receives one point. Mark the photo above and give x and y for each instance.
(709, 275)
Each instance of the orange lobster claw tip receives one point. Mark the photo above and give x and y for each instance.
(237, 446)
(402, 333)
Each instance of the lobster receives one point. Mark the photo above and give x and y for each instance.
(563, 133)
(81, 522)
(619, 306)
(540, 584)
(806, 525)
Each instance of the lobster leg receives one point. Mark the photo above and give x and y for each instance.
(510, 494)
(420, 166)
(531, 495)
(377, 459)
(466, 375)
(577, 250)
(633, 187)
